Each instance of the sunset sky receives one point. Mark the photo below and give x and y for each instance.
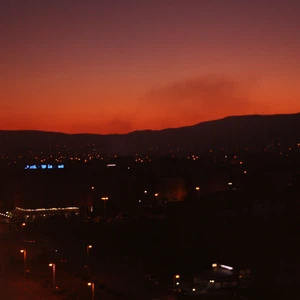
(115, 66)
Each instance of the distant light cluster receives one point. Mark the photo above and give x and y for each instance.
(5, 215)
(46, 209)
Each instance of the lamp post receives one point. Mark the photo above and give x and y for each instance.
(88, 247)
(22, 226)
(104, 204)
(53, 274)
(176, 277)
(92, 285)
(25, 260)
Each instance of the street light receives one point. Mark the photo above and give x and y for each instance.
(25, 260)
(91, 284)
(53, 274)
(88, 247)
(176, 277)
(198, 190)
(156, 194)
(22, 226)
(104, 204)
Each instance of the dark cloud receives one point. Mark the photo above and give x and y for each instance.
(203, 96)
(119, 125)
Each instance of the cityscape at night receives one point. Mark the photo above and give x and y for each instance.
(149, 150)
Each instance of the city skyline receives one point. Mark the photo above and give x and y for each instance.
(116, 67)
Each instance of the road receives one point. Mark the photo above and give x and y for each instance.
(122, 280)
(13, 285)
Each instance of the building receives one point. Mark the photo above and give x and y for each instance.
(28, 214)
(43, 190)
(216, 278)
(171, 189)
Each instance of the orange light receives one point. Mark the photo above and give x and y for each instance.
(177, 276)
(23, 224)
(155, 194)
(90, 246)
(197, 188)
(22, 251)
(89, 283)
(50, 265)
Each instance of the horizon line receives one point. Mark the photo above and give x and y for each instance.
(153, 130)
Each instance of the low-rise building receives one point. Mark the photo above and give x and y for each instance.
(217, 277)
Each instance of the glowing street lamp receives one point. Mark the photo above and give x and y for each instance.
(53, 274)
(104, 199)
(177, 276)
(25, 260)
(156, 194)
(22, 226)
(88, 247)
(92, 285)
(198, 190)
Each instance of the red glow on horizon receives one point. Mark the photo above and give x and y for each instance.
(117, 68)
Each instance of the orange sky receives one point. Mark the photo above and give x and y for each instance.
(104, 68)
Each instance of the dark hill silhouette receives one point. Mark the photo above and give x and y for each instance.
(255, 131)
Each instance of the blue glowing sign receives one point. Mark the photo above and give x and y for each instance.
(35, 167)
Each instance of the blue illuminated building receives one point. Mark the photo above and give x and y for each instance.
(44, 167)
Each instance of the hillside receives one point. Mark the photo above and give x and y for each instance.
(253, 131)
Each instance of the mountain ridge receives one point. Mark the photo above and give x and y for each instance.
(229, 132)
(149, 130)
